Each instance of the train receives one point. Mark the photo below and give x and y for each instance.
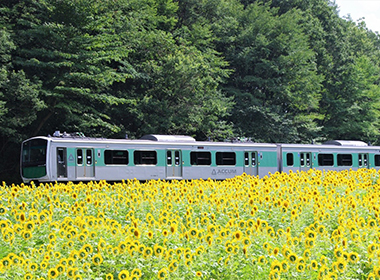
(66, 157)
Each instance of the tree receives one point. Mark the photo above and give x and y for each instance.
(19, 104)
(275, 82)
(73, 49)
(176, 86)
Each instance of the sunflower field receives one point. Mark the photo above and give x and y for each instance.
(304, 225)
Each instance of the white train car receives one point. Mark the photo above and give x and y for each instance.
(67, 158)
(72, 158)
(332, 155)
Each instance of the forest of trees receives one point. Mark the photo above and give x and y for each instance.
(276, 71)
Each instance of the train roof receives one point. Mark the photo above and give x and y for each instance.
(168, 138)
(346, 143)
(157, 139)
(151, 139)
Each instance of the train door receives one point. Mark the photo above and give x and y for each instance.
(85, 163)
(251, 163)
(61, 163)
(305, 161)
(363, 161)
(173, 164)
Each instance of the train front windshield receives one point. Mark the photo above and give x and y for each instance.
(33, 158)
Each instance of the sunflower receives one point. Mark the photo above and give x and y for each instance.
(63, 261)
(276, 265)
(82, 253)
(33, 266)
(273, 275)
(173, 267)
(44, 265)
(372, 223)
(70, 261)
(262, 260)
(321, 229)
(314, 265)
(292, 257)
(136, 272)
(147, 252)
(60, 268)
(71, 272)
(211, 229)
(284, 266)
(97, 259)
(198, 274)
(29, 226)
(341, 264)
(371, 248)
(199, 250)
(266, 246)
(136, 233)
(109, 276)
(122, 246)
(165, 232)
(53, 273)
(162, 273)
(158, 250)
(123, 275)
(52, 236)
(82, 237)
(286, 251)
(238, 235)
(115, 251)
(376, 271)
(229, 248)
(86, 266)
(26, 234)
(306, 254)
(353, 257)
(28, 276)
(275, 251)
(3, 210)
(338, 252)
(300, 267)
(310, 242)
(88, 248)
(193, 232)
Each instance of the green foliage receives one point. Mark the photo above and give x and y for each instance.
(275, 83)
(276, 71)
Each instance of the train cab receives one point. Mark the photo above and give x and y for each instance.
(34, 159)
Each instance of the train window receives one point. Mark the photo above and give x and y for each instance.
(253, 158)
(200, 158)
(289, 159)
(308, 159)
(117, 157)
(362, 160)
(89, 157)
(247, 157)
(325, 159)
(145, 157)
(344, 160)
(225, 158)
(169, 157)
(377, 160)
(80, 157)
(176, 158)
